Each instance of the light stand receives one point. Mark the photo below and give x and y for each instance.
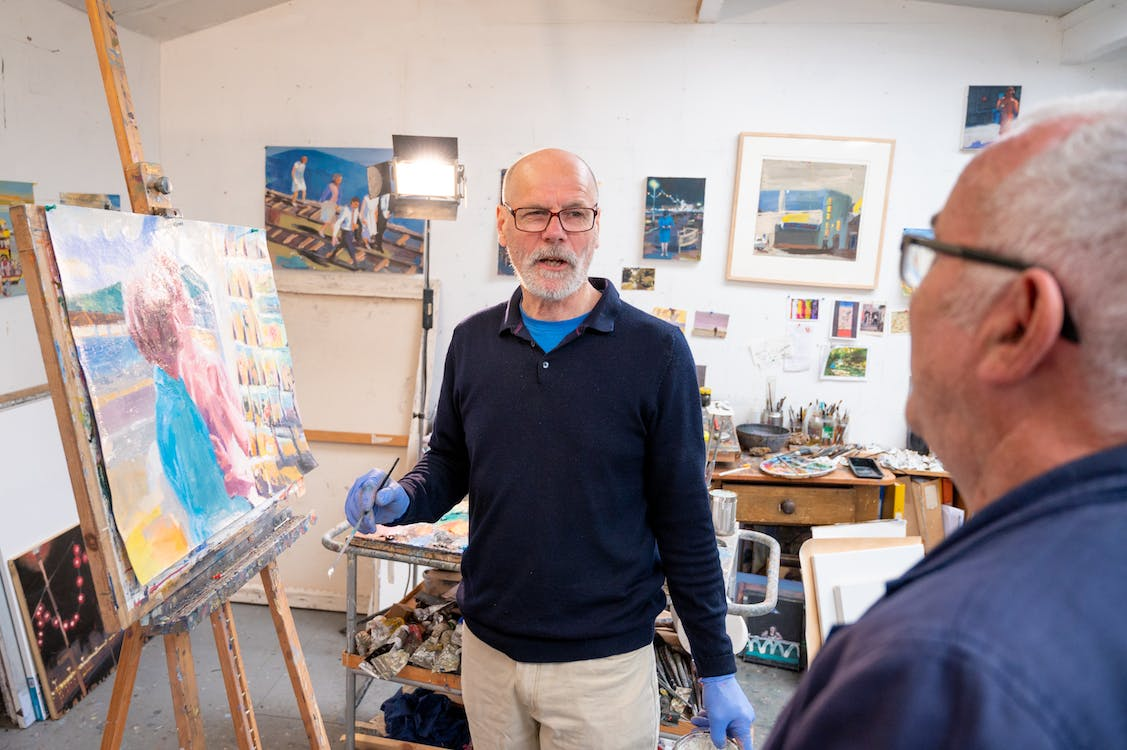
(424, 181)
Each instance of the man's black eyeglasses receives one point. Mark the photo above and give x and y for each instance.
(917, 254)
(578, 219)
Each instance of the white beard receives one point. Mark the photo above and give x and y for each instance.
(548, 284)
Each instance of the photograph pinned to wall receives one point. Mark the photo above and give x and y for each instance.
(12, 282)
(990, 113)
(710, 324)
(846, 363)
(899, 322)
(809, 210)
(313, 196)
(71, 649)
(872, 317)
(846, 319)
(672, 315)
(179, 334)
(674, 218)
(928, 234)
(642, 279)
(802, 308)
(504, 266)
(104, 201)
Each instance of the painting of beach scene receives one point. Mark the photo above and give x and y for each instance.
(179, 335)
(327, 210)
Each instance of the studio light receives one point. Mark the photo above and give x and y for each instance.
(423, 179)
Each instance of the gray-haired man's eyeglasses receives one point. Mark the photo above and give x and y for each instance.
(578, 219)
(917, 254)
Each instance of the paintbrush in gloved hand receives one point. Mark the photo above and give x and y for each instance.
(356, 528)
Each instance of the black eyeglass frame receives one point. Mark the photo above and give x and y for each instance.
(554, 215)
(1068, 330)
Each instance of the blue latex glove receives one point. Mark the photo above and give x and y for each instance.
(364, 509)
(727, 711)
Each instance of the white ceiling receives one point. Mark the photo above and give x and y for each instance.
(1091, 29)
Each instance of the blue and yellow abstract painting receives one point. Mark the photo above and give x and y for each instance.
(180, 337)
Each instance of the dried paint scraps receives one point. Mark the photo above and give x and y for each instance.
(73, 652)
(179, 332)
(12, 281)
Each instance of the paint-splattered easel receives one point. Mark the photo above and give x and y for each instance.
(207, 590)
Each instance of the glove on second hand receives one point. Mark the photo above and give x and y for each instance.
(728, 713)
(364, 509)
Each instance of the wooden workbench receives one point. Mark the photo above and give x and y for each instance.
(838, 497)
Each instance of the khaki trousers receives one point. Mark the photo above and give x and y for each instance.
(596, 704)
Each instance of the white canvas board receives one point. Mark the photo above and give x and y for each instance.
(885, 527)
(859, 566)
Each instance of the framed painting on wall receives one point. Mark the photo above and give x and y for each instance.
(809, 210)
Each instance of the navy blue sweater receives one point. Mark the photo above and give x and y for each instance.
(585, 473)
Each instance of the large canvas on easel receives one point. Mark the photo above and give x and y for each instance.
(72, 650)
(180, 341)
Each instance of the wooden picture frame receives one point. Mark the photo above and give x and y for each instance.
(809, 210)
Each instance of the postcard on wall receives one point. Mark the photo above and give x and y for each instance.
(104, 201)
(991, 111)
(12, 281)
(72, 650)
(327, 210)
(674, 218)
(803, 308)
(180, 337)
(638, 278)
(899, 322)
(710, 324)
(846, 363)
(845, 322)
(672, 315)
(808, 210)
(872, 317)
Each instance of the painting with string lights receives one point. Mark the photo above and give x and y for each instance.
(72, 650)
(674, 218)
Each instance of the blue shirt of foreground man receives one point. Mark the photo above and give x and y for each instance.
(583, 456)
(1010, 633)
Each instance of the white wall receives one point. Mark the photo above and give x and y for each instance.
(55, 131)
(636, 99)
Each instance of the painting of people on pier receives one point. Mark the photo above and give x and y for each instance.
(179, 335)
(674, 218)
(327, 211)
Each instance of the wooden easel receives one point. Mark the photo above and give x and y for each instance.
(208, 593)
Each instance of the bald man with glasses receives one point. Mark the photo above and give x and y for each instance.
(1009, 634)
(572, 420)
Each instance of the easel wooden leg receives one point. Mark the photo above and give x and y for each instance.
(185, 693)
(234, 678)
(294, 658)
(127, 663)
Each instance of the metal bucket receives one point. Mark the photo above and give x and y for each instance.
(723, 512)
